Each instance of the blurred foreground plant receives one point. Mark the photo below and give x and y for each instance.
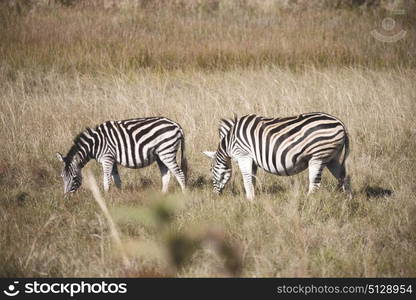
(175, 247)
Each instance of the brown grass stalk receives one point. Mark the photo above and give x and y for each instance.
(115, 235)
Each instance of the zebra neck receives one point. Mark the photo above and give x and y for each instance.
(78, 156)
(223, 147)
(83, 161)
(223, 156)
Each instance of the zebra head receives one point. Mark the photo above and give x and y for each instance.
(221, 163)
(71, 173)
(221, 170)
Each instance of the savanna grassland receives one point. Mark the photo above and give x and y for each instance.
(70, 64)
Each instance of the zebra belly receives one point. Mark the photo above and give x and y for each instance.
(138, 165)
(139, 162)
(291, 169)
(299, 166)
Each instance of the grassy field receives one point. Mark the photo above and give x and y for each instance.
(196, 65)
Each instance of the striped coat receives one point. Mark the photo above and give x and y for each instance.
(281, 146)
(133, 143)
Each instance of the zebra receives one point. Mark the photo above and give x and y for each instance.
(282, 146)
(133, 143)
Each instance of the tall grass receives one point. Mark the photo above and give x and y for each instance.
(90, 40)
(65, 68)
(284, 233)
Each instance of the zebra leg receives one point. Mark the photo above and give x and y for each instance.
(165, 175)
(107, 171)
(339, 172)
(169, 160)
(316, 167)
(116, 176)
(246, 167)
(254, 171)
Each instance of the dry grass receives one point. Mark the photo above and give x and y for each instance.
(91, 40)
(54, 83)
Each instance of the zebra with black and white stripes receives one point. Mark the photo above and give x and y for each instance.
(133, 143)
(281, 146)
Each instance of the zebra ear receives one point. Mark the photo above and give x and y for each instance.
(235, 117)
(60, 157)
(210, 154)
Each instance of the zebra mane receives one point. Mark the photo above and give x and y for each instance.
(226, 125)
(75, 147)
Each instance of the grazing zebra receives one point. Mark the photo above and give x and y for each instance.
(134, 143)
(281, 146)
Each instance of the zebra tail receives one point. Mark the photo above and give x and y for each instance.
(184, 161)
(346, 148)
(347, 180)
